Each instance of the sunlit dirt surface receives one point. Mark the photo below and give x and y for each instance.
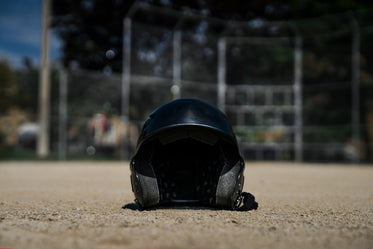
(80, 205)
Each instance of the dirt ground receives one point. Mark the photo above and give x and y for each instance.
(80, 205)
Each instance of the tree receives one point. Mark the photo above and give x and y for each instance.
(91, 30)
(9, 85)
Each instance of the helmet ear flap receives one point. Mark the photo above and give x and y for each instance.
(144, 182)
(230, 185)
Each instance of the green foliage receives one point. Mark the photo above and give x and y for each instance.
(246, 134)
(20, 88)
(28, 89)
(9, 85)
(327, 134)
(311, 8)
(265, 63)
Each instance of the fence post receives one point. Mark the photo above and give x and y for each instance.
(298, 98)
(355, 80)
(222, 44)
(126, 82)
(176, 86)
(62, 142)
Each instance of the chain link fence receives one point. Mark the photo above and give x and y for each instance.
(292, 90)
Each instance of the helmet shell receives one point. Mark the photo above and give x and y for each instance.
(187, 152)
(186, 112)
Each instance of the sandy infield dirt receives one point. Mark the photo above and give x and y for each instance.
(79, 205)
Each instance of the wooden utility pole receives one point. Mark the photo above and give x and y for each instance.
(44, 84)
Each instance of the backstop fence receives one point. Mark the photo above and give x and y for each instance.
(299, 90)
(292, 90)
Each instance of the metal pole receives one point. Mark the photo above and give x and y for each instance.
(221, 73)
(355, 80)
(176, 86)
(126, 82)
(298, 101)
(62, 146)
(44, 85)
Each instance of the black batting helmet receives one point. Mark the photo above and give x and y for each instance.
(187, 153)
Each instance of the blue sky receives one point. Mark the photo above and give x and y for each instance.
(20, 32)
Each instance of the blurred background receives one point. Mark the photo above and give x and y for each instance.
(295, 78)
